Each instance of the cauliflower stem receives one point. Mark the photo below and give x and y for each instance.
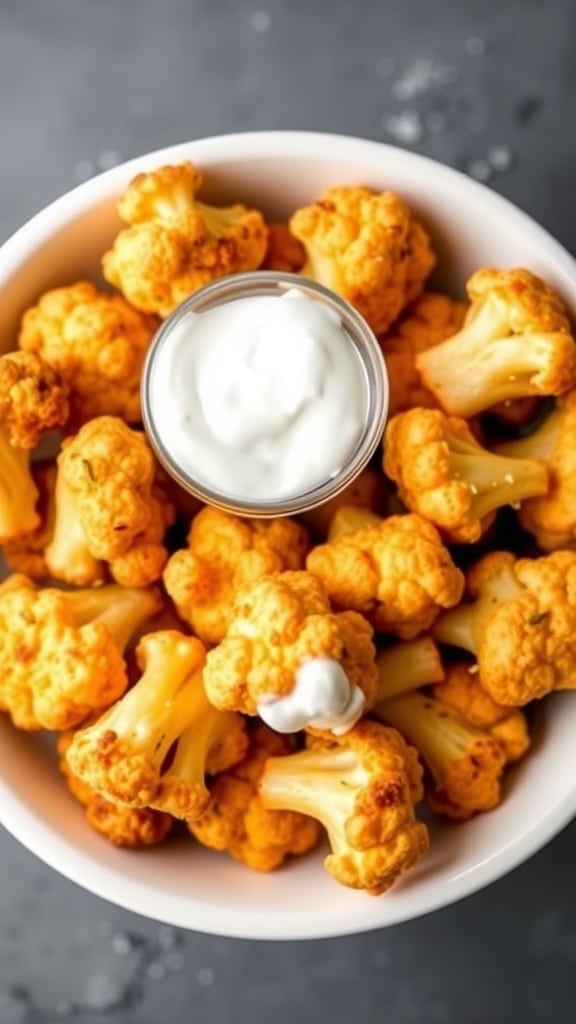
(18, 492)
(121, 611)
(407, 666)
(463, 626)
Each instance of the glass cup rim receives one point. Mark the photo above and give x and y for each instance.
(267, 282)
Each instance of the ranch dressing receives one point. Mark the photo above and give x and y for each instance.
(323, 698)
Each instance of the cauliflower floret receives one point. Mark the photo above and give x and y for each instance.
(428, 321)
(174, 244)
(97, 342)
(146, 559)
(445, 475)
(131, 828)
(33, 400)
(279, 625)
(516, 341)
(461, 690)
(236, 821)
(225, 554)
(551, 518)
(465, 763)
(27, 554)
(521, 625)
(284, 253)
(61, 652)
(396, 572)
(123, 754)
(359, 789)
(367, 247)
(407, 666)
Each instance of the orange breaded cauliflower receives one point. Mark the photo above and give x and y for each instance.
(367, 247)
(103, 498)
(551, 518)
(520, 626)
(284, 252)
(516, 341)
(281, 629)
(33, 400)
(407, 666)
(360, 789)
(130, 828)
(445, 475)
(61, 652)
(429, 320)
(225, 554)
(398, 573)
(175, 244)
(461, 690)
(146, 559)
(97, 342)
(236, 822)
(465, 763)
(27, 554)
(123, 754)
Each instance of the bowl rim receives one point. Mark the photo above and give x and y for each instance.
(63, 855)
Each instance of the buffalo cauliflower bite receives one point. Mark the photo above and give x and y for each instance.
(461, 690)
(236, 822)
(97, 342)
(516, 341)
(396, 572)
(520, 627)
(407, 666)
(131, 828)
(450, 479)
(286, 653)
(175, 244)
(359, 788)
(225, 554)
(284, 252)
(146, 559)
(428, 321)
(33, 400)
(61, 653)
(551, 518)
(465, 763)
(123, 755)
(367, 247)
(27, 554)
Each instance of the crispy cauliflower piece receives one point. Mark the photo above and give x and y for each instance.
(225, 554)
(284, 252)
(359, 789)
(367, 492)
(551, 518)
(33, 400)
(465, 763)
(461, 690)
(97, 343)
(521, 625)
(444, 474)
(282, 629)
(144, 563)
(174, 244)
(396, 572)
(236, 822)
(429, 320)
(61, 653)
(123, 754)
(26, 554)
(407, 666)
(367, 247)
(131, 828)
(516, 341)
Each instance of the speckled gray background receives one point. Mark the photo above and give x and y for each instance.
(489, 87)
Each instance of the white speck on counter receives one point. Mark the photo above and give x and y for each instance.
(205, 977)
(479, 169)
(475, 46)
(174, 961)
(156, 971)
(407, 126)
(122, 944)
(64, 1009)
(260, 21)
(84, 170)
(108, 158)
(168, 938)
(500, 158)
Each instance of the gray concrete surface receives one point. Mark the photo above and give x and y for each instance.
(489, 87)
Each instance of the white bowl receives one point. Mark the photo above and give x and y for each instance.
(182, 884)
